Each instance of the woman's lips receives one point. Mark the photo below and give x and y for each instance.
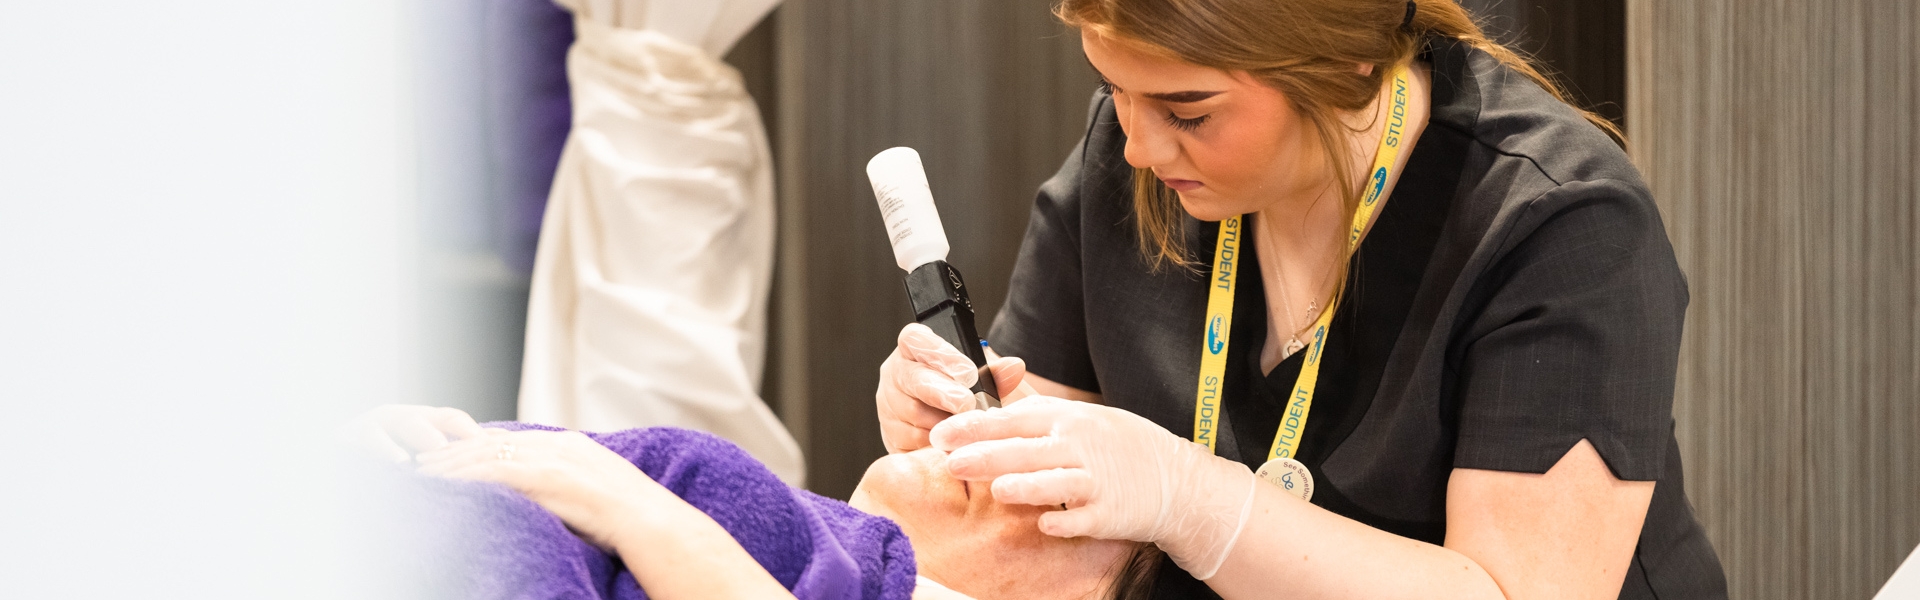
(1182, 185)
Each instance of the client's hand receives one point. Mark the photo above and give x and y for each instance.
(925, 381)
(597, 493)
(1120, 476)
(396, 432)
(673, 550)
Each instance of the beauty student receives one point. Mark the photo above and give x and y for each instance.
(1335, 299)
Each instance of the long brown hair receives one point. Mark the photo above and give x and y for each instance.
(1134, 575)
(1307, 50)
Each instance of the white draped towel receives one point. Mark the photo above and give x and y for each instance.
(656, 253)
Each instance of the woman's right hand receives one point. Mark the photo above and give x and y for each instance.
(397, 432)
(1116, 474)
(925, 381)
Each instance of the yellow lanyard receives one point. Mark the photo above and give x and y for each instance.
(1226, 254)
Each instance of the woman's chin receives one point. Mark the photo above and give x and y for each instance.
(1202, 204)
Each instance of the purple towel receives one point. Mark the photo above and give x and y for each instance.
(487, 541)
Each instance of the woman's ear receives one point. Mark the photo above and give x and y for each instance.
(1364, 69)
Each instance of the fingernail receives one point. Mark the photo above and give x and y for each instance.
(926, 341)
(1051, 528)
(962, 461)
(950, 434)
(1003, 488)
(958, 401)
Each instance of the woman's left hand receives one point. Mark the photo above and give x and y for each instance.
(597, 493)
(1119, 475)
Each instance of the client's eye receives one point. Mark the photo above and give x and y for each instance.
(1187, 125)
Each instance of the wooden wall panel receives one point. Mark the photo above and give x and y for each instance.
(1780, 138)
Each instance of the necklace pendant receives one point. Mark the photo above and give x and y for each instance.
(1294, 345)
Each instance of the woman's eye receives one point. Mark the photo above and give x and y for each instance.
(1187, 125)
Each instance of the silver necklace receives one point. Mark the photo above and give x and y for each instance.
(1293, 344)
(1293, 339)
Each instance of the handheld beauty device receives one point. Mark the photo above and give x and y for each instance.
(920, 247)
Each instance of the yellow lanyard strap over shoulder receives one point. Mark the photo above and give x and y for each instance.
(1221, 284)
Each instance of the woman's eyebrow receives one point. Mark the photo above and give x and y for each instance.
(1181, 97)
(1168, 97)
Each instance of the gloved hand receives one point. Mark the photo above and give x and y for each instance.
(925, 381)
(1119, 475)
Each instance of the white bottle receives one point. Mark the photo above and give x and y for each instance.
(906, 204)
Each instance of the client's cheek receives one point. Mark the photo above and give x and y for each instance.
(911, 490)
(1010, 533)
(900, 480)
(1007, 557)
(980, 498)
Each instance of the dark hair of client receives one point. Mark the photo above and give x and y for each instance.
(1135, 573)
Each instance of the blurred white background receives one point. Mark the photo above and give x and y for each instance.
(221, 224)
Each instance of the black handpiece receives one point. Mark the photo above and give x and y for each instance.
(939, 298)
(935, 289)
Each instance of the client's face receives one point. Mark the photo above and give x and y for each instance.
(965, 540)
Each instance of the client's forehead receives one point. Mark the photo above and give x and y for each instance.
(918, 487)
(909, 478)
(928, 457)
(911, 469)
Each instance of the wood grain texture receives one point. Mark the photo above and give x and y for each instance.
(993, 94)
(1780, 138)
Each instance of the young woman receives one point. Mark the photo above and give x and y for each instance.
(1356, 306)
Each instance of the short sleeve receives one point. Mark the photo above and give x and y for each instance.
(1044, 318)
(1577, 336)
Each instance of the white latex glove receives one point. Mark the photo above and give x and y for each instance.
(1119, 475)
(925, 381)
(396, 432)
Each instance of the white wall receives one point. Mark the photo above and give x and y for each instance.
(206, 243)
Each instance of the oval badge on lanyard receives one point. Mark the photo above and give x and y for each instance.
(1290, 475)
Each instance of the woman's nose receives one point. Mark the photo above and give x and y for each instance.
(1149, 144)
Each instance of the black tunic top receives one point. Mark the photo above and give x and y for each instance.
(1517, 294)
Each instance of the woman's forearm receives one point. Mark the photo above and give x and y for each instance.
(675, 551)
(1298, 550)
(1565, 534)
